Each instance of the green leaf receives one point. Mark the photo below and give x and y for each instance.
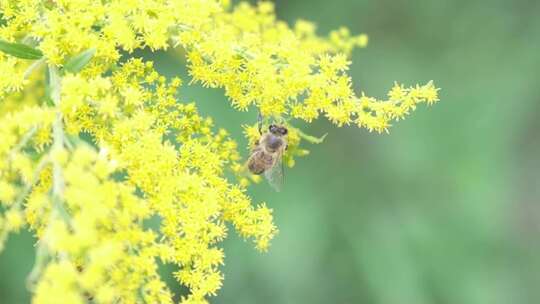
(20, 50)
(78, 62)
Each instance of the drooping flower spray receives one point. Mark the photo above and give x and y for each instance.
(94, 141)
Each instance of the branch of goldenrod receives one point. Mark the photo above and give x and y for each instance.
(28, 187)
(24, 193)
(24, 140)
(58, 145)
(58, 135)
(310, 138)
(57, 208)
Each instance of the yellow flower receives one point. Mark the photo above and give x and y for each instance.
(88, 154)
(14, 220)
(7, 192)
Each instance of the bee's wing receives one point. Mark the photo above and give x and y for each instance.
(274, 175)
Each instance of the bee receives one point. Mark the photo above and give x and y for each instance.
(266, 156)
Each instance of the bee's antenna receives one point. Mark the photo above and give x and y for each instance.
(260, 121)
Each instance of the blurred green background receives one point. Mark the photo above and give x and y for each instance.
(445, 209)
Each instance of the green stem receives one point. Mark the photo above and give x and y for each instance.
(28, 187)
(36, 64)
(310, 138)
(58, 134)
(57, 208)
(42, 256)
(23, 142)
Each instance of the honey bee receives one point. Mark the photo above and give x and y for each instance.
(266, 156)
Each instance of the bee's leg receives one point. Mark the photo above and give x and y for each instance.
(283, 172)
(260, 121)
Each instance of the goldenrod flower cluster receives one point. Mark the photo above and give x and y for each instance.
(95, 144)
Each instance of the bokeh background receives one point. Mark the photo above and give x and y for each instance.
(444, 209)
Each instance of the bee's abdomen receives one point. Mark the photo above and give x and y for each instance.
(255, 168)
(259, 162)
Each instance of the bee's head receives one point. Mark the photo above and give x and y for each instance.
(278, 130)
